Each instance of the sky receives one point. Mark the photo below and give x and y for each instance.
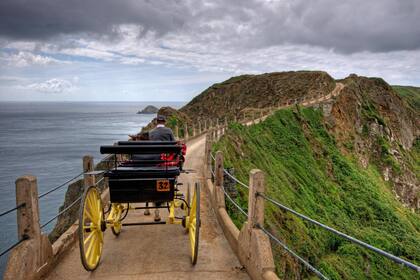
(171, 50)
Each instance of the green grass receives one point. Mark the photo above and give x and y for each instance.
(306, 171)
(410, 94)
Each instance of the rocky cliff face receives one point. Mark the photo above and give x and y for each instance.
(371, 121)
(230, 98)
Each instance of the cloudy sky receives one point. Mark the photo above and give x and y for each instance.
(162, 50)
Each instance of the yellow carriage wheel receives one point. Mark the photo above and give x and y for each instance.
(91, 227)
(116, 215)
(194, 224)
(188, 205)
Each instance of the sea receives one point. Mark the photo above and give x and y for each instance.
(48, 140)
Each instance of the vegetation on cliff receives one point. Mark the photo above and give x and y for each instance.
(307, 171)
(231, 97)
(352, 162)
(410, 94)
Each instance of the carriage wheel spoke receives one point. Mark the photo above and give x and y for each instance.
(88, 238)
(89, 252)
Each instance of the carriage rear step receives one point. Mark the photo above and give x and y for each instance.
(144, 223)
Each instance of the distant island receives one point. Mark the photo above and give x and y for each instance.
(150, 109)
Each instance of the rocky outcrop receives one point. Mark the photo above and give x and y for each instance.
(371, 121)
(229, 98)
(150, 109)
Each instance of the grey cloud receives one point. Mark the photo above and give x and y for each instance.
(42, 19)
(345, 26)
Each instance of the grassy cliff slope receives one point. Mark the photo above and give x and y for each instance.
(410, 94)
(307, 171)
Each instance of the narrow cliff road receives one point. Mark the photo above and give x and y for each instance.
(161, 251)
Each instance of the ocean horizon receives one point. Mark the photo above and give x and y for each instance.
(49, 139)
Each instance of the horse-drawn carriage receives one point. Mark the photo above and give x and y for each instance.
(144, 172)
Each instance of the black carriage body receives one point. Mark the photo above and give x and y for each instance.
(143, 178)
(142, 184)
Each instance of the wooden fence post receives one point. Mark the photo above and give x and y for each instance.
(199, 127)
(176, 132)
(208, 156)
(185, 132)
(89, 179)
(254, 245)
(255, 202)
(32, 257)
(28, 216)
(219, 195)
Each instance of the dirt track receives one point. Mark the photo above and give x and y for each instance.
(161, 251)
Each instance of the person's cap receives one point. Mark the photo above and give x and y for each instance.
(161, 118)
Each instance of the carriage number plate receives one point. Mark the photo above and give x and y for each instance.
(163, 186)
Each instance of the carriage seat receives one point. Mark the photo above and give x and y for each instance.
(124, 172)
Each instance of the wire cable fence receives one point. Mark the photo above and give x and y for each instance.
(241, 210)
(343, 235)
(5, 251)
(61, 212)
(235, 179)
(11, 247)
(12, 209)
(60, 186)
(271, 236)
(291, 252)
(71, 205)
(334, 231)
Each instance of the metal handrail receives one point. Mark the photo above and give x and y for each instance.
(303, 261)
(235, 179)
(13, 209)
(60, 186)
(68, 207)
(25, 237)
(61, 212)
(234, 202)
(345, 236)
(243, 212)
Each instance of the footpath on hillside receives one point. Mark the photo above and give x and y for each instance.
(161, 251)
(334, 93)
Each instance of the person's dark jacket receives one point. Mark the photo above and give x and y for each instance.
(161, 134)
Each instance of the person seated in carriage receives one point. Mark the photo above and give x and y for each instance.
(160, 133)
